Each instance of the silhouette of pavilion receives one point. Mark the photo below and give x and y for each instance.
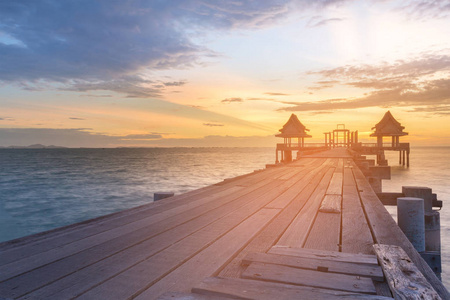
(342, 137)
(292, 129)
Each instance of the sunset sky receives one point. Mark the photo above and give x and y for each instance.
(219, 73)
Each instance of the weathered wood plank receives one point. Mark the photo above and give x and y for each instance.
(348, 176)
(295, 235)
(109, 267)
(211, 259)
(403, 277)
(283, 274)
(370, 271)
(325, 255)
(325, 233)
(356, 236)
(335, 187)
(263, 290)
(331, 204)
(303, 178)
(386, 231)
(187, 222)
(270, 234)
(189, 296)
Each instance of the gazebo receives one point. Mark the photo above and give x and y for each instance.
(388, 126)
(292, 129)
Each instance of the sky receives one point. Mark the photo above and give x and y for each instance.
(162, 73)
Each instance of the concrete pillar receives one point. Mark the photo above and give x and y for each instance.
(432, 218)
(161, 195)
(432, 231)
(420, 192)
(411, 220)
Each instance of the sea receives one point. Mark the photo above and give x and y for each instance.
(42, 189)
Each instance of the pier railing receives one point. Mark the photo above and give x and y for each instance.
(297, 146)
(384, 146)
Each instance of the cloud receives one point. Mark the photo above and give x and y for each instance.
(320, 85)
(435, 92)
(151, 136)
(73, 118)
(422, 81)
(422, 9)
(175, 83)
(319, 21)
(96, 96)
(132, 86)
(213, 124)
(434, 109)
(276, 94)
(229, 100)
(102, 40)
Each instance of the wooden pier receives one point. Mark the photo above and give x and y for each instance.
(306, 229)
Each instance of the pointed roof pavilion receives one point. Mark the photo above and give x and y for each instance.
(293, 129)
(388, 126)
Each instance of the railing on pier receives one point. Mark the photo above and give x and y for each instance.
(297, 146)
(384, 146)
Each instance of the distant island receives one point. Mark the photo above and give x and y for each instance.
(35, 146)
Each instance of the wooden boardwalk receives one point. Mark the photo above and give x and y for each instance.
(302, 229)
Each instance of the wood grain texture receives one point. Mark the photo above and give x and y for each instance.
(331, 204)
(283, 274)
(325, 255)
(403, 277)
(356, 236)
(348, 268)
(325, 233)
(263, 290)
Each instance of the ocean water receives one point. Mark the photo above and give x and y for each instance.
(41, 189)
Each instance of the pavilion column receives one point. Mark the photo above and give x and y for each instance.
(380, 141)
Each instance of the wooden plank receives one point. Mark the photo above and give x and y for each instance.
(348, 176)
(340, 166)
(349, 268)
(129, 257)
(263, 290)
(211, 259)
(335, 187)
(283, 274)
(356, 236)
(331, 204)
(325, 233)
(135, 229)
(403, 277)
(34, 261)
(295, 235)
(325, 255)
(189, 296)
(304, 177)
(385, 230)
(190, 222)
(271, 233)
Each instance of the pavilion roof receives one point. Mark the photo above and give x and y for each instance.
(293, 128)
(388, 126)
